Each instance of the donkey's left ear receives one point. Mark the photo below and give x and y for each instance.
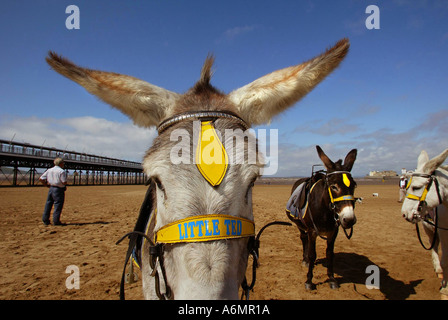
(259, 101)
(435, 162)
(422, 159)
(350, 160)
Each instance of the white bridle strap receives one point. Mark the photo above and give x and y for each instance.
(199, 115)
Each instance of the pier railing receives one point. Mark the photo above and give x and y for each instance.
(24, 163)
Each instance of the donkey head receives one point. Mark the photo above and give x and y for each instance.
(340, 183)
(422, 191)
(210, 269)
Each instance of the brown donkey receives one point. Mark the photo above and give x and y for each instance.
(319, 205)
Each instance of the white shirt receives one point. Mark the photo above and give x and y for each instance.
(402, 184)
(56, 177)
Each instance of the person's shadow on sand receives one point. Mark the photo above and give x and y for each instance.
(351, 268)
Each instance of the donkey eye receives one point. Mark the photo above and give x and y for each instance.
(251, 185)
(159, 184)
(334, 187)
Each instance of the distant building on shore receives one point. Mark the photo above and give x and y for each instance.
(385, 173)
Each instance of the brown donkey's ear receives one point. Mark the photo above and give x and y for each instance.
(259, 101)
(350, 160)
(326, 161)
(146, 104)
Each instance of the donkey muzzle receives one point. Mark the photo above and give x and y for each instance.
(347, 217)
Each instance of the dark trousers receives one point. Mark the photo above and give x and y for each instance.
(56, 197)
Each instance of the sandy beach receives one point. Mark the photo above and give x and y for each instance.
(35, 257)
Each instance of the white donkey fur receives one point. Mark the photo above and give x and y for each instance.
(409, 208)
(208, 270)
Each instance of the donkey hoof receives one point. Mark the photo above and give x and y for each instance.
(334, 285)
(310, 286)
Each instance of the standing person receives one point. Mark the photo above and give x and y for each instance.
(402, 192)
(56, 179)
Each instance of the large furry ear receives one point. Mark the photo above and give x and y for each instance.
(146, 104)
(435, 162)
(329, 165)
(259, 101)
(350, 160)
(423, 158)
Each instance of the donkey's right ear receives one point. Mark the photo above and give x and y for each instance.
(146, 104)
(435, 162)
(326, 161)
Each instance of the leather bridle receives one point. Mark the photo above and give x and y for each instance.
(201, 115)
(422, 198)
(158, 240)
(332, 205)
(422, 203)
(156, 251)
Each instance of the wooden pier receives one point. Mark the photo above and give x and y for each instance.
(21, 164)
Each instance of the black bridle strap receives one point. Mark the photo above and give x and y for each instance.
(253, 246)
(136, 243)
(156, 254)
(332, 209)
(133, 236)
(350, 234)
(434, 237)
(432, 179)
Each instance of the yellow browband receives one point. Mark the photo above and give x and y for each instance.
(413, 196)
(347, 197)
(346, 181)
(205, 228)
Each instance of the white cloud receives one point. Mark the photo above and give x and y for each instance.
(330, 127)
(83, 134)
(234, 32)
(382, 149)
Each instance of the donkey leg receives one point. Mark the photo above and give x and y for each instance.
(429, 230)
(309, 285)
(444, 263)
(304, 238)
(330, 260)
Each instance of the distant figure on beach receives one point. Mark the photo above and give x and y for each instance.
(402, 192)
(56, 179)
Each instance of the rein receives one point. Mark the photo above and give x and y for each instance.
(253, 246)
(422, 202)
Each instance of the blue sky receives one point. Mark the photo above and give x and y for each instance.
(388, 99)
